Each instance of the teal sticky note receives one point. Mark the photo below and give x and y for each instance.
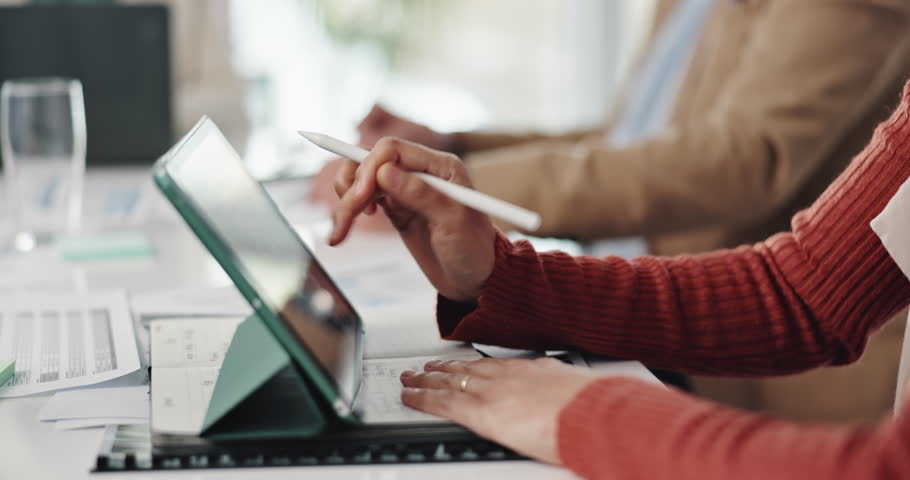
(7, 369)
(106, 246)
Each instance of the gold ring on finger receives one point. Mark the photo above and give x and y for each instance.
(463, 386)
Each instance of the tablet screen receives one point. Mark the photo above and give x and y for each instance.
(269, 253)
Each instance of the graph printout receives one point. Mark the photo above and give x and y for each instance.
(62, 341)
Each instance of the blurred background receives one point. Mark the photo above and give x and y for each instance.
(265, 69)
(453, 65)
(150, 69)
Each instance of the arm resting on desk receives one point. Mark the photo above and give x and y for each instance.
(626, 428)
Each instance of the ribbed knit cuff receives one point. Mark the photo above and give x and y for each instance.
(500, 315)
(450, 313)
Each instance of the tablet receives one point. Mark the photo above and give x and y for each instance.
(237, 221)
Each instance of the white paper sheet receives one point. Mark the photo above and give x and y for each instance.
(406, 330)
(187, 354)
(132, 402)
(64, 341)
(893, 228)
(79, 423)
(380, 399)
(502, 352)
(185, 302)
(374, 270)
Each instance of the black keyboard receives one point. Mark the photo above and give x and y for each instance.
(133, 448)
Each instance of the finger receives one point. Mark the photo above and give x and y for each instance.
(371, 209)
(356, 198)
(358, 190)
(412, 195)
(444, 381)
(407, 190)
(360, 194)
(414, 157)
(412, 192)
(484, 367)
(456, 406)
(345, 177)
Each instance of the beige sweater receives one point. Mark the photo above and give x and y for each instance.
(778, 97)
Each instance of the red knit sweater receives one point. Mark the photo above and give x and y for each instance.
(796, 301)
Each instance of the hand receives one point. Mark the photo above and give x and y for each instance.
(381, 123)
(453, 244)
(323, 191)
(513, 402)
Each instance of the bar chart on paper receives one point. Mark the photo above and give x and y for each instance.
(61, 341)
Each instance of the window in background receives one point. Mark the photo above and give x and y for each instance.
(547, 65)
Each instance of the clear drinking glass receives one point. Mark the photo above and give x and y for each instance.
(42, 134)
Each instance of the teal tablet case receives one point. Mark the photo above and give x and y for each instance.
(267, 322)
(268, 386)
(259, 392)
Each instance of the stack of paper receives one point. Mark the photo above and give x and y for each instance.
(97, 407)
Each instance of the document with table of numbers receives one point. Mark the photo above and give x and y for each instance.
(62, 341)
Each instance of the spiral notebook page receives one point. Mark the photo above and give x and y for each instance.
(380, 397)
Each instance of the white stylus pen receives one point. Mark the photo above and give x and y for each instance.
(494, 207)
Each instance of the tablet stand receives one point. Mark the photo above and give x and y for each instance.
(259, 392)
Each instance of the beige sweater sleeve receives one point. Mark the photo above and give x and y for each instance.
(805, 69)
(467, 143)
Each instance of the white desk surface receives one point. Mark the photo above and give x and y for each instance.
(33, 450)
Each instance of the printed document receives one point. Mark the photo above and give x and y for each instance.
(63, 341)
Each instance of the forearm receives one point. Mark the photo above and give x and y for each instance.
(704, 175)
(725, 313)
(793, 302)
(624, 428)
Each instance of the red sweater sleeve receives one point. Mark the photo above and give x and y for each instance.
(625, 428)
(795, 301)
